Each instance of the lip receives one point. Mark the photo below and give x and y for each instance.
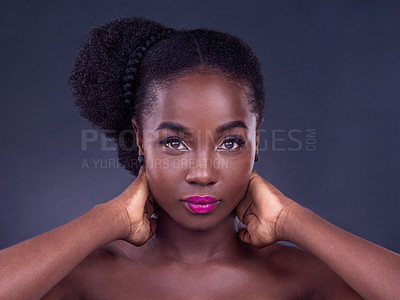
(201, 204)
(201, 199)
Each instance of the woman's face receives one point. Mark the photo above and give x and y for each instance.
(199, 140)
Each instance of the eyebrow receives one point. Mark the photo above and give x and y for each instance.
(173, 126)
(230, 125)
(180, 128)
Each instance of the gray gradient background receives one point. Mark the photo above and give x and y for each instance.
(333, 66)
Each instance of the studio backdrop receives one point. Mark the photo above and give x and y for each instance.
(330, 139)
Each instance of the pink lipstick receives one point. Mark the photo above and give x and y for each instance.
(201, 204)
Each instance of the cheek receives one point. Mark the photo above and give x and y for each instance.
(163, 176)
(235, 176)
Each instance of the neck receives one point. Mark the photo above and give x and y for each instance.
(195, 246)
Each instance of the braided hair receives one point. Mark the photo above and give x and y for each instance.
(121, 62)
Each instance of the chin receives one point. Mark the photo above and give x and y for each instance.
(203, 222)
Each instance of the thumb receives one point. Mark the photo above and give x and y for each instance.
(153, 227)
(244, 236)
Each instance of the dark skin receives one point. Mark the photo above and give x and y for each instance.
(116, 251)
(191, 254)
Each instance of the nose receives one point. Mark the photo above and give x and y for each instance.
(201, 169)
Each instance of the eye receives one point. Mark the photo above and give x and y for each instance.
(173, 143)
(232, 143)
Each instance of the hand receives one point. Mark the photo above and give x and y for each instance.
(260, 210)
(136, 207)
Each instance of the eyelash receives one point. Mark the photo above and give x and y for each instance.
(168, 140)
(236, 139)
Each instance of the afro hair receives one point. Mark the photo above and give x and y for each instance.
(98, 74)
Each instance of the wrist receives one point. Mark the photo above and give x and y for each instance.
(288, 221)
(114, 218)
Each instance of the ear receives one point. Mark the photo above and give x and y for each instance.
(139, 137)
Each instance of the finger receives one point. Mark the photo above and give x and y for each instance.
(244, 236)
(140, 192)
(152, 203)
(245, 203)
(149, 208)
(141, 233)
(133, 186)
(251, 218)
(142, 169)
(242, 208)
(153, 227)
(246, 219)
(151, 198)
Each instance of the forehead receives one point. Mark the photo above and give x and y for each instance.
(201, 101)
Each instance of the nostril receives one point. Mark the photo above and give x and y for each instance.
(202, 173)
(200, 183)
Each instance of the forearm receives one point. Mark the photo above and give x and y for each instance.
(372, 271)
(31, 268)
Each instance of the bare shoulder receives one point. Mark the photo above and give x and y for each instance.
(309, 272)
(90, 271)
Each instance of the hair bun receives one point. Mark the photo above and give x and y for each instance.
(98, 74)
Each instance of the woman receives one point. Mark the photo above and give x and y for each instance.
(194, 101)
